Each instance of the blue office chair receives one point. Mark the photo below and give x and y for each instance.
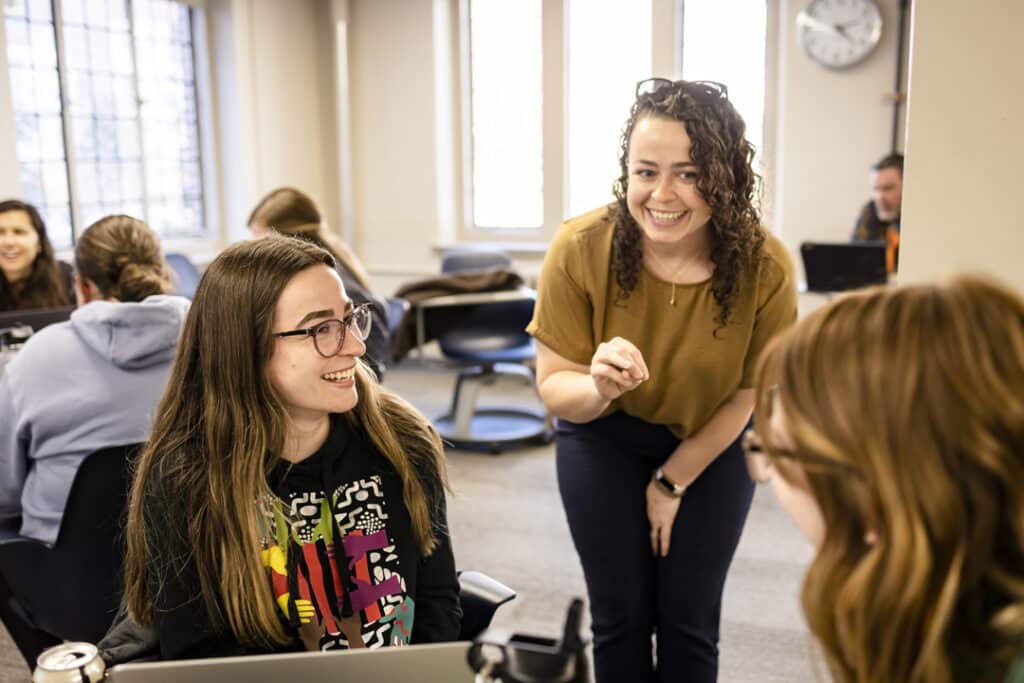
(185, 275)
(490, 341)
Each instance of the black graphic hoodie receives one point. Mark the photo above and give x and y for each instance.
(341, 558)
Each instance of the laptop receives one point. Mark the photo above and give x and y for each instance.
(36, 318)
(840, 266)
(432, 663)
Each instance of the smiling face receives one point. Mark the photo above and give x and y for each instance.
(662, 193)
(19, 245)
(310, 385)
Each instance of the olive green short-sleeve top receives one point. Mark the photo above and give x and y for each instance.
(695, 365)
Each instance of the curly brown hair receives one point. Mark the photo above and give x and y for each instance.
(727, 181)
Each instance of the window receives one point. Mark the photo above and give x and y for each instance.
(602, 83)
(549, 84)
(739, 62)
(104, 97)
(542, 99)
(506, 114)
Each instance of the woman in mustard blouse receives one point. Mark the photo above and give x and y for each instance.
(650, 315)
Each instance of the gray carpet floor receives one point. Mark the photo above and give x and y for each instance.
(507, 521)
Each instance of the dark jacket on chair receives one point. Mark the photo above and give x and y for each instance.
(441, 321)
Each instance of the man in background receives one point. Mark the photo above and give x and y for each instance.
(879, 220)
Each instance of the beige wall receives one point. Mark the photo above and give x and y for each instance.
(961, 206)
(273, 80)
(394, 184)
(830, 127)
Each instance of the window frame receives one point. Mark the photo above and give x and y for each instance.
(666, 60)
(201, 76)
(553, 107)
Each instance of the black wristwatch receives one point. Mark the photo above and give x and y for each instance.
(667, 485)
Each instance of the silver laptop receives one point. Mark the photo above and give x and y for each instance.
(433, 663)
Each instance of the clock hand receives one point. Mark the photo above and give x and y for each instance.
(806, 20)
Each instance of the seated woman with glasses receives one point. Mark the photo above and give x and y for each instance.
(892, 431)
(285, 501)
(288, 211)
(650, 315)
(30, 275)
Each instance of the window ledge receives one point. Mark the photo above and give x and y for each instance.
(513, 249)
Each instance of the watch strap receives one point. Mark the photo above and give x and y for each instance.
(667, 485)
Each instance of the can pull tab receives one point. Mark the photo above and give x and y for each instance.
(69, 663)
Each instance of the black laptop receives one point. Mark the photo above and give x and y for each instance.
(13, 323)
(840, 266)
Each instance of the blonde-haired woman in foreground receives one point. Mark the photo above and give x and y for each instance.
(892, 431)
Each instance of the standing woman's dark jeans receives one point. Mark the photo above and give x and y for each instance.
(603, 470)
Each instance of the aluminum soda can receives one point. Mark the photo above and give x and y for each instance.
(69, 663)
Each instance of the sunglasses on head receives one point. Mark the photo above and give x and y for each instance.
(705, 92)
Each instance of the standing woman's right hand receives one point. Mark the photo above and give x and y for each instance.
(617, 367)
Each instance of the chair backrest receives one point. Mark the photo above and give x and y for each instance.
(82, 572)
(491, 332)
(186, 275)
(397, 308)
(460, 260)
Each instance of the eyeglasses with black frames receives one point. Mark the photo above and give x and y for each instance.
(759, 465)
(329, 335)
(705, 92)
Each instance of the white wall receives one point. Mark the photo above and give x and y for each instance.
(961, 201)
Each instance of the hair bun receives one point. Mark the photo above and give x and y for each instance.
(139, 280)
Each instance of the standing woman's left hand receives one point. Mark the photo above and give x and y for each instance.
(661, 513)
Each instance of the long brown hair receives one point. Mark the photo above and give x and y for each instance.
(727, 181)
(122, 257)
(919, 392)
(292, 212)
(217, 433)
(45, 286)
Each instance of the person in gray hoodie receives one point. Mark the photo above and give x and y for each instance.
(91, 382)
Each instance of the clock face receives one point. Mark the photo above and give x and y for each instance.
(839, 33)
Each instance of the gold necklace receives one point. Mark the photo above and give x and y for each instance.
(675, 276)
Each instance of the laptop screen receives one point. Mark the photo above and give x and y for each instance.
(433, 663)
(840, 266)
(36, 318)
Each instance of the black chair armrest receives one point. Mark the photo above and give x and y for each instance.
(480, 596)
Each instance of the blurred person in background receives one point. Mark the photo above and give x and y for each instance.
(879, 220)
(30, 275)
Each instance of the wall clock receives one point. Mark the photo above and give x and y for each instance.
(839, 33)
